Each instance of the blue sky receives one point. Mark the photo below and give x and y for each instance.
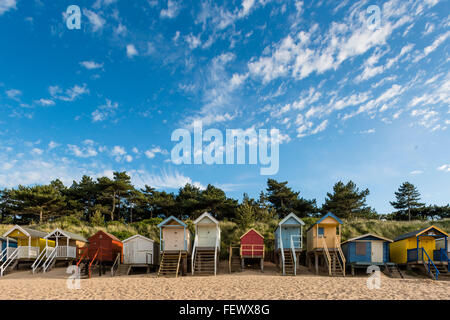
(351, 102)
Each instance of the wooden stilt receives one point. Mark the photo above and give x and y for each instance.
(316, 258)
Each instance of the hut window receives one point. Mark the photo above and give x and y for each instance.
(321, 232)
(361, 248)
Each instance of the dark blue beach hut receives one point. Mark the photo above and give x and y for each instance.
(367, 250)
(6, 243)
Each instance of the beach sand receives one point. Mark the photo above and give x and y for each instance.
(250, 284)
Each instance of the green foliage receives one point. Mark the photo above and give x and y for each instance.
(407, 199)
(284, 200)
(347, 201)
(97, 219)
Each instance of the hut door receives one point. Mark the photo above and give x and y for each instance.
(206, 236)
(377, 251)
(141, 252)
(286, 236)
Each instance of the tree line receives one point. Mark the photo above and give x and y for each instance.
(117, 199)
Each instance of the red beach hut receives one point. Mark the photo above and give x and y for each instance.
(252, 247)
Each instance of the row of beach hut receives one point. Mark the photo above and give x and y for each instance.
(426, 249)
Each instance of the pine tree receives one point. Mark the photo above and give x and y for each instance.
(408, 198)
(284, 200)
(347, 201)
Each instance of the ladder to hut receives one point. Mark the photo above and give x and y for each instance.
(170, 263)
(393, 270)
(10, 262)
(334, 260)
(234, 261)
(204, 261)
(289, 263)
(87, 265)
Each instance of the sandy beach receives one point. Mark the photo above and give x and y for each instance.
(240, 286)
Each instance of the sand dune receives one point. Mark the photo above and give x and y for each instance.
(248, 284)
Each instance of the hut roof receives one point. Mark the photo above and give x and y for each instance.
(367, 235)
(137, 236)
(291, 215)
(252, 229)
(27, 231)
(329, 214)
(208, 215)
(67, 234)
(419, 232)
(170, 219)
(113, 237)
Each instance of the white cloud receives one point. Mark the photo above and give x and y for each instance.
(53, 145)
(301, 54)
(37, 151)
(6, 5)
(102, 3)
(368, 131)
(193, 41)
(238, 79)
(131, 51)
(444, 167)
(13, 93)
(173, 8)
(105, 111)
(170, 180)
(154, 151)
(45, 102)
(436, 43)
(69, 94)
(416, 172)
(90, 65)
(118, 151)
(246, 7)
(82, 152)
(96, 21)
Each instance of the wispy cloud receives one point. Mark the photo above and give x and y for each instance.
(90, 65)
(6, 5)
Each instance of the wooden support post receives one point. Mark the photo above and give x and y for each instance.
(316, 258)
(353, 270)
(262, 264)
(242, 264)
(184, 269)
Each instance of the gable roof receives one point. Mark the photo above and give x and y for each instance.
(367, 235)
(27, 231)
(106, 233)
(68, 234)
(329, 214)
(208, 215)
(169, 219)
(252, 229)
(137, 236)
(418, 233)
(291, 215)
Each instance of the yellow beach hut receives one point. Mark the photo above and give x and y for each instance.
(30, 244)
(324, 246)
(417, 250)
